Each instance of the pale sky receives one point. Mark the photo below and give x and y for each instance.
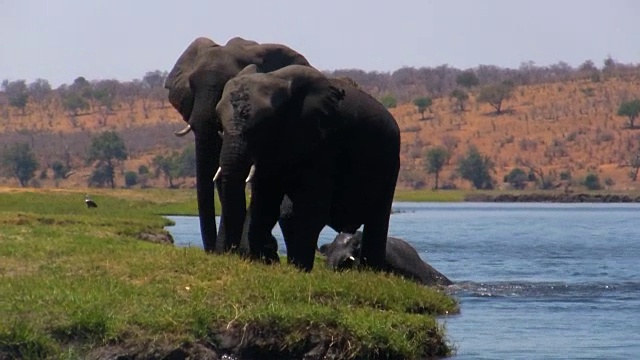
(122, 39)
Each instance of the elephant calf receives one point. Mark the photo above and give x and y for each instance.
(401, 258)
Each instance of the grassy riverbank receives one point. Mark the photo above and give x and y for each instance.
(78, 283)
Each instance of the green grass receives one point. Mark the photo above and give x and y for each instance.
(429, 195)
(73, 280)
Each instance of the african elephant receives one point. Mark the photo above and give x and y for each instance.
(323, 143)
(401, 258)
(195, 86)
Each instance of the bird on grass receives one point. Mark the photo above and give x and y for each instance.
(90, 203)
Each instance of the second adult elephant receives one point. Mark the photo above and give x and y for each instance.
(329, 146)
(195, 86)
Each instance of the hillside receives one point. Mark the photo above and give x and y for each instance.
(565, 126)
(558, 127)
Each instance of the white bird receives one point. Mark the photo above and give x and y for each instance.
(90, 203)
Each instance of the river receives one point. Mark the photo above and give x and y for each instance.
(534, 280)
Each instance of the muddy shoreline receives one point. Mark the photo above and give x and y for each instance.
(553, 198)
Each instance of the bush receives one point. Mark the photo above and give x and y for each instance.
(389, 101)
(475, 167)
(592, 182)
(143, 170)
(565, 175)
(517, 178)
(130, 178)
(102, 175)
(60, 170)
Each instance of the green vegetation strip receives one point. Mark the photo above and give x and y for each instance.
(76, 281)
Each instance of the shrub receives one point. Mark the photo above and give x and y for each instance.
(517, 178)
(389, 101)
(130, 178)
(592, 182)
(143, 170)
(475, 167)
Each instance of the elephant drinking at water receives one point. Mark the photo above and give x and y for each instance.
(332, 149)
(401, 258)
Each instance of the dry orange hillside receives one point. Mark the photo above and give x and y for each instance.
(553, 127)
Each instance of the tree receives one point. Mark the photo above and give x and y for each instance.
(107, 149)
(17, 94)
(634, 162)
(154, 79)
(72, 102)
(167, 166)
(436, 158)
(20, 161)
(630, 109)
(423, 103)
(81, 87)
(60, 170)
(39, 90)
(461, 97)
(475, 167)
(517, 178)
(389, 101)
(101, 176)
(467, 79)
(186, 162)
(496, 94)
(105, 92)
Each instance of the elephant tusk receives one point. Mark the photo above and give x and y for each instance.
(217, 175)
(352, 258)
(183, 132)
(252, 172)
(221, 134)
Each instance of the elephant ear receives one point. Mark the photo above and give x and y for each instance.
(322, 99)
(177, 82)
(249, 69)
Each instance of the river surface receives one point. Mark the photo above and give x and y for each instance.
(534, 281)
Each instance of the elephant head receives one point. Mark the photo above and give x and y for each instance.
(195, 86)
(257, 110)
(343, 252)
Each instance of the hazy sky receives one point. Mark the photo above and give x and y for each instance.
(122, 39)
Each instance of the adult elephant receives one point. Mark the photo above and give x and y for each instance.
(327, 145)
(195, 86)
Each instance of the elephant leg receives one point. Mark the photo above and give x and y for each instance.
(301, 250)
(310, 213)
(286, 222)
(270, 247)
(374, 233)
(264, 211)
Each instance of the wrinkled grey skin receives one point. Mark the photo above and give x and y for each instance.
(401, 258)
(195, 86)
(321, 142)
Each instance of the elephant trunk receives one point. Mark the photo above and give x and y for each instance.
(235, 163)
(205, 166)
(208, 143)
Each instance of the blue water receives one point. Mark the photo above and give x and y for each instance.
(534, 281)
